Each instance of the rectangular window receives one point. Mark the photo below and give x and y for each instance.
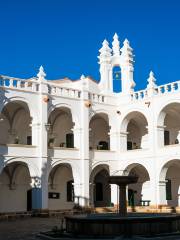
(69, 140)
(166, 138)
(168, 190)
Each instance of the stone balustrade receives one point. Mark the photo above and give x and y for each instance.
(167, 88)
(139, 95)
(31, 84)
(162, 89)
(96, 98)
(56, 89)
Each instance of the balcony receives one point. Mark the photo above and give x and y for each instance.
(172, 149)
(18, 150)
(63, 152)
(104, 155)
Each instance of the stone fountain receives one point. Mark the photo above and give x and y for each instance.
(122, 224)
(122, 182)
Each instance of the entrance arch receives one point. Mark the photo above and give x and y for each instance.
(169, 192)
(100, 190)
(15, 187)
(139, 191)
(61, 187)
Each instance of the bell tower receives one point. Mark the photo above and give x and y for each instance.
(116, 57)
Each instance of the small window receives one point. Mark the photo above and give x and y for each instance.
(70, 191)
(99, 191)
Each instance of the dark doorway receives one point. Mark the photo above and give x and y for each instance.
(102, 189)
(69, 140)
(166, 138)
(70, 191)
(99, 191)
(131, 197)
(29, 140)
(29, 200)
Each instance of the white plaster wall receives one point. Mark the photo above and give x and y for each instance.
(62, 176)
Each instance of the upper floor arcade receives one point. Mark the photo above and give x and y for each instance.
(65, 117)
(108, 132)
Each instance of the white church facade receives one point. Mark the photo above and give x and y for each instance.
(61, 139)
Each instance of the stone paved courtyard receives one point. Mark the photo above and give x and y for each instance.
(27, 229)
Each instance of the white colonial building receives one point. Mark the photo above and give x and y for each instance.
(61, 139)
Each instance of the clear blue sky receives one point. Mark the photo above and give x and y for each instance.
(65, 36)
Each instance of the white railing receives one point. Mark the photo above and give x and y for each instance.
(162, 89)
(167, 88)
(21, 84)
(139, 95)
(56, 89)
(96, 97)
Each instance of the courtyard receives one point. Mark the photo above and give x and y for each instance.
(28, 228)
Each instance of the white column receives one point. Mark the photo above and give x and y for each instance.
(162, 193)
(160, 136)
(123, 141)
(84, 150)
(39, 138)
(77, 136)
(114, 141)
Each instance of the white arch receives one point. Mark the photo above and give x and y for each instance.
(130, 166)
(100, 111)
(33, 170)
(74, 168)
(97, 168)
(161, 114)
(126, 118)
(75, 118)
(165, 166)
(32, 112)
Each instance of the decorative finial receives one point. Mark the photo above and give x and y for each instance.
(115, 36)
(82, 77)
(105, 42)
(151, 80)
(41, 74)
(105, 51)
(115, 44)
(126, 42)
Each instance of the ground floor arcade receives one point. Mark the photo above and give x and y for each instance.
(20, 191)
